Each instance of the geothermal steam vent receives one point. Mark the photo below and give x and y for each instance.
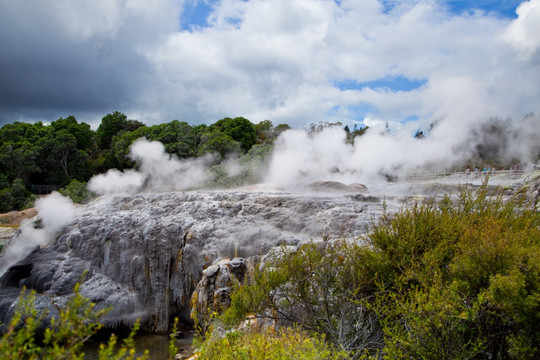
(145, 253)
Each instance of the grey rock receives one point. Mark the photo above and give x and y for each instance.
(337, 187)
(144, 254)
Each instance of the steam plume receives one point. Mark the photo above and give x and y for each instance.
(55, 211)
(157, 171)
(300, 157)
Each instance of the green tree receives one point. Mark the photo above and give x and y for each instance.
(84, 136)
(178, 137)
(111, 125)
(239, 129)
(117, 157)
(218, 142)
(19, 159)
(15, 197)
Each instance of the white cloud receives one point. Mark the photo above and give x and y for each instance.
(273, 59)
(523, 32)
(279, 59)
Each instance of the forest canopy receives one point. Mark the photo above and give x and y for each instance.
(38, 157)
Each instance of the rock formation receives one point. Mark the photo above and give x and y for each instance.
(144, 254)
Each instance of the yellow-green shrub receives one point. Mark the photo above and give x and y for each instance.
(64, 338)
(285, 344)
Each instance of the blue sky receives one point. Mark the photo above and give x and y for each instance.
(506, 8)
(196, 12)
(405, 62)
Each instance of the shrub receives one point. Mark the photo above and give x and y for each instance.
(77, 191)
(16, 197)
(288, 343)
(64, 337)
(457, 279)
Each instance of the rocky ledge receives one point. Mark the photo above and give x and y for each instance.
(144, 254)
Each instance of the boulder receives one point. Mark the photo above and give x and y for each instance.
(337, 187)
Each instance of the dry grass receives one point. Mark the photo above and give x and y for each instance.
(14, 218)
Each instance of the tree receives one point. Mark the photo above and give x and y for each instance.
(263, 131)
(82, 132)
(178, 137)
(111, 125)
(19, 159)
(218, 142)
(15, 196)
(239, 129)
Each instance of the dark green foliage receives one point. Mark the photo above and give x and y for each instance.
(77, 191)
(111, 125)
(238, 129)
(217, 142)
(82, 133)
(67, 150)
(455, 280)
(178, 137)
(117, 156)
(15, 197)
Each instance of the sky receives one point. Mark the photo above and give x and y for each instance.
(407, 63)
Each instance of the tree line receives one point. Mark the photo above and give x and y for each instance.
(70, 152)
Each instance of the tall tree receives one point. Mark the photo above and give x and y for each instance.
(111, 125)
(239, 129)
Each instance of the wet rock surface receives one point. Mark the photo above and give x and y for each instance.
(144, 254)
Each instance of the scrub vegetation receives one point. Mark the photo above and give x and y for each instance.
(457, 279)
(26, 337)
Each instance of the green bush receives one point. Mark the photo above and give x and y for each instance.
(16, 197)
(458, 279)
(284, 344)
(64, 337)
(77, 191)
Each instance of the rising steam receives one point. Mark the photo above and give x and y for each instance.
(301, 157)
(157, 172)
(54, 211)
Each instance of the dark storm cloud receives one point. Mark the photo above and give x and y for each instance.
(81, 62)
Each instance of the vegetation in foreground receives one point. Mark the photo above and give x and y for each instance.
(449, 280)
(25, 338)
(269, 344)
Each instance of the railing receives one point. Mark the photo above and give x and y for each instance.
(468, 174)
(44, 189)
